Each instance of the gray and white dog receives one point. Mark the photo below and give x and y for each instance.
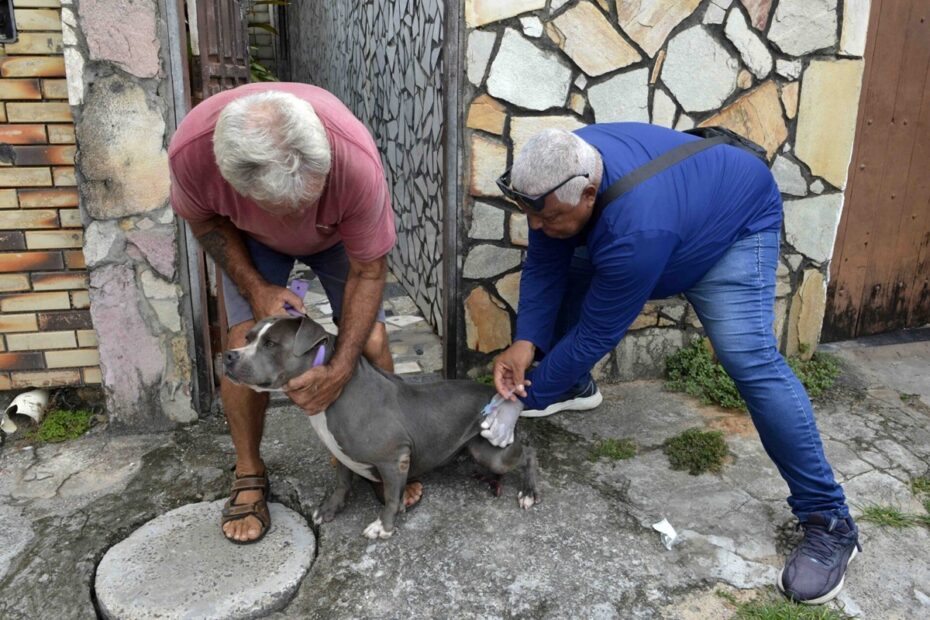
(381, 427)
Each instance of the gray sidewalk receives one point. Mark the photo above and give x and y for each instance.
(587, 551)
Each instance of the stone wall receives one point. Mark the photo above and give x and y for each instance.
(46, 338)
(784, 73)
(120, 97)
(384, 60)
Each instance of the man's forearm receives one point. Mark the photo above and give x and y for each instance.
(363, 292)
(223, 242)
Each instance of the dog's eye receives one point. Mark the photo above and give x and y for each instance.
(269, 343)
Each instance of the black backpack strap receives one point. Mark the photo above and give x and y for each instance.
(654, 167)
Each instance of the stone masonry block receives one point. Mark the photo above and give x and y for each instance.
(130, 43)
(32, 66)
(125, 165)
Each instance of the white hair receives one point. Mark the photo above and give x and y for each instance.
(272, 147)
(551, 156)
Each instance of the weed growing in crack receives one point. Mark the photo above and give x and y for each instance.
(694, 370)
(613, 449)
(775, 607)
(886, 516)
(920, 485)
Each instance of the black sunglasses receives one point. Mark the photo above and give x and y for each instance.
(525, 201)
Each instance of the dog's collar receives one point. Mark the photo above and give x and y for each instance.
(320, 356)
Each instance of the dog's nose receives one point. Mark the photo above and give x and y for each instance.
(231, 357)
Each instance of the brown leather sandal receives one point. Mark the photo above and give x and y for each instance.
(259, 509)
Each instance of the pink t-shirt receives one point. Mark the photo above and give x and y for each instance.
(355, 206)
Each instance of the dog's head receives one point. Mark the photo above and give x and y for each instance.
(277, 350)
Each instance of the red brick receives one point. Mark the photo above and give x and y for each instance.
(37, 19)
(80, 299)
(25, 177)
(51, 239)
(43, 155)
(51, 4)
(10, 282)
(59, 281)
(36, 43)
(92, 376)
(58, 197)
(28, 302)
(32, 66)
(61, 134)
(74, 259)
(23, 360)
(17, 219)
(64, 176)
(8, 199)
(12, 240)
(45, 378)
(30, 261)
(10, 323)
(55, 89)
(70, 218)
(20, 89)
(22, 134)
(7, 384)
(38, 111)
(69, 319)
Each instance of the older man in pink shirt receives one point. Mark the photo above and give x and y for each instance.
(266, 174)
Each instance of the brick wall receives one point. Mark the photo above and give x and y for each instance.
(46, 337)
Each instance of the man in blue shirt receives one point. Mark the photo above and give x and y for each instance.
(707, 227)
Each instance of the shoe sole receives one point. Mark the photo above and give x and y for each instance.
(576, 404)
(829, 596)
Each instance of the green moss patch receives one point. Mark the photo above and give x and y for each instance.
(697, 451)
(613, 449)
(61, 425)
(694, 371)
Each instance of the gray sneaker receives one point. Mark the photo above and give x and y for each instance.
(815, 571)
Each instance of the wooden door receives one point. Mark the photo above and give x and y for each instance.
(881, 262)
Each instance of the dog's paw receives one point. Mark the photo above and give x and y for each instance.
(527, 500)
(376, 530)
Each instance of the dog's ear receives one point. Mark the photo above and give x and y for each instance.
(309, 334)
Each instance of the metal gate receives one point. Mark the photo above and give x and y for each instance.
(880, 268)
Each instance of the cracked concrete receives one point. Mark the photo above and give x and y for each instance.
(587, 551)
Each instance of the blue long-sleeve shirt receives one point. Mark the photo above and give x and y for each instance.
(655, 241)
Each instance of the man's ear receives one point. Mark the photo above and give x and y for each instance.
(309, 334)
(589, 195)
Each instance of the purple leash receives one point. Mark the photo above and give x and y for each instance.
(298, 287)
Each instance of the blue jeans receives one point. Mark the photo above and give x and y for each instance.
(331, 266)
(735, 302)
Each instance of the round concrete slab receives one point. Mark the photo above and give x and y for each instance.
(179, 565)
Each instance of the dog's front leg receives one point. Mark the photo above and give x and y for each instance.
(336, 501)
(394, 477)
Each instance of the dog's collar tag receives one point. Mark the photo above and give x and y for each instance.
(320, 354)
